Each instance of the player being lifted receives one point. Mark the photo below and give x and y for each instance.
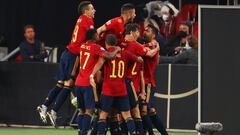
(150, 64)
(135, 72)
(68, 64)
(89, 54)
(116, 25)
(114, 93)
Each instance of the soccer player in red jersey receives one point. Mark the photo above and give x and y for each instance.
(135, 73)
(150, 65)
(116, 25)
(89, 54)
(68, 64)
(114, 93)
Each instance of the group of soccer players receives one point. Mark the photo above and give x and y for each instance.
(111, 54)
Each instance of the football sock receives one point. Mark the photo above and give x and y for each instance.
(94, 125)
(158, 124)
(139, 126)
(114, 128)
(86, 122)
(147, 124)
(101, 126)
(79, 122)
(131, 126)
(61, 98)
(124, 129)
(52, 95)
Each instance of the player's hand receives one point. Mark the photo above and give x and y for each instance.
(140, 59)
(142, 95)
(92, 81)
(178, 49)
(117, 48)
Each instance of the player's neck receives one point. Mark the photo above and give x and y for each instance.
(31, 41)
(124, 18)
(87, 15)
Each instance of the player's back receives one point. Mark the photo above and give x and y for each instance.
(89, 54)
(115, 73)
(114, 26)
(78, 36)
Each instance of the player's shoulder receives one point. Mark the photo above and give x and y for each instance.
(117, 20)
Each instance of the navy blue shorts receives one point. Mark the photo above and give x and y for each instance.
(121, 103)
(132, 99)
(85, 97)
(66, 65)
(151, 99)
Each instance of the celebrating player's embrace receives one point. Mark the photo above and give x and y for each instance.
(125, 104)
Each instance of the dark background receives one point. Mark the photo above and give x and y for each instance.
(22, 89)
(220, 66)
(54, 20)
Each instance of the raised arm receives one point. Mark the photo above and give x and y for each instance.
(110, 55)
(101, 29)
(153, 52)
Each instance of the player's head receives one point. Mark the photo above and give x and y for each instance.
(128, 10)
(150, 32)
(86, 8)
(185, 27)
(111, 40)
(132, 29)
(29, 32)
(91, 35)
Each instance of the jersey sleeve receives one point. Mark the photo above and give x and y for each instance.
(98, 50)
(131, 56)
(110, 24)
(141, 50)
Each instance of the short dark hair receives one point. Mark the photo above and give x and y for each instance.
(83, 6)
(111, 39)
(91, 34)
(131, 27)
(154, 29)
(27, 27)
(188, 24)
(127, 7)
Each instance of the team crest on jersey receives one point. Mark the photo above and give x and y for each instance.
(91, 27)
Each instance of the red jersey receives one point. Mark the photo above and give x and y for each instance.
(89, 54)
(83, 24)
(135, 68)
(114, 26)
(114, 74)
(150, 65)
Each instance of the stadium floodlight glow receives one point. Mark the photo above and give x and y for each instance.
(209, 128)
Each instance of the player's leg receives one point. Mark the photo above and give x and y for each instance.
(53, 93)
(71, 64)
(80, 106)
(106, 103)
(113, 122)
(135, 112)
(157, 122)
(124, 107)
(147, 123)
(96, 114)
(89, 103)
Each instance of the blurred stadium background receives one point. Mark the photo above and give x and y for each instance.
(21, 84)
